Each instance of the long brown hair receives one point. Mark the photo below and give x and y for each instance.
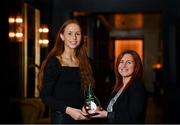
(81, 54)
(138, 70)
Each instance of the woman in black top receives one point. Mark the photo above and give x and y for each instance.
(128, 102)
(65, 74)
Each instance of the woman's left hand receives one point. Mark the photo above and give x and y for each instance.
(100, 114)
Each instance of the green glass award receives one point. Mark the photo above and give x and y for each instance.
(92, 103)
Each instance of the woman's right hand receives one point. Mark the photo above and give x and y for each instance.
(76, 114)
(84, 110)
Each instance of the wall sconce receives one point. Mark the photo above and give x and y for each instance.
(44, 36)
(157, 66)
(16, 28)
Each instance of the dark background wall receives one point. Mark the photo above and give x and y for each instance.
(61, 9)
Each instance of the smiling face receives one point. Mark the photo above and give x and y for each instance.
(126, 66)
(71, 36)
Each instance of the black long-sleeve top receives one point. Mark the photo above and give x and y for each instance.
(130, 106)
(61, 87)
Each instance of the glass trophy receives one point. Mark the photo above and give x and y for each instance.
(91, 102)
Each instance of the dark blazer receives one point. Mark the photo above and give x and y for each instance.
(130, 107)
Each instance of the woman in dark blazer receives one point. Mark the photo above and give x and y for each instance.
(128, 102)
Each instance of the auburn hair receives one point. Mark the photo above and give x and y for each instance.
(81, 54)
(138, 70)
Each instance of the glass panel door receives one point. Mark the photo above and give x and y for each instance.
(31, 51)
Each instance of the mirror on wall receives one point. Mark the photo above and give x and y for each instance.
(31, 49)
(25, 51)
